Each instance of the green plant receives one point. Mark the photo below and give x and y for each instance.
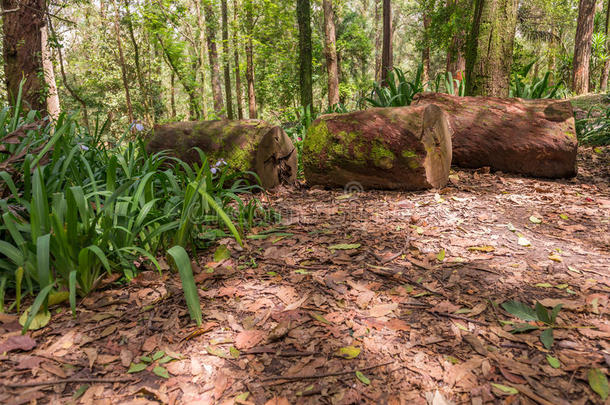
(399, 91)
(444, 82)
(594, 129)
(73, 208)
(537, 314)
(531, 88)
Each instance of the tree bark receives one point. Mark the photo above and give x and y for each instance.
(604, 79)
(172, 95)
(238, 94)
(490, 48)
(386, 54)
(117, 33)
(378, 40)
(582, 46)
(405, 148)
(305, 58)
(210, 28)
(22, 51)
(202, 52)
(53, 106)
(245, 145)
(531, 137)
(252, 113)
(456, 63)
(330, 52)
(425, 54)
(225, 57)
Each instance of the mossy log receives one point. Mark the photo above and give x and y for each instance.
(407, 148)
(246, 145)
(530, 137)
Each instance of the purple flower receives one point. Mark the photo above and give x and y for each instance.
(213, 170)
(84, 147)
(299, 139)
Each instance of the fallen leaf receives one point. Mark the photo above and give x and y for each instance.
(248, 339)
(505, 389)
(40, 320)
(382, 310)
(535, 220)
(482, 248)
(362, 378)
(137, 367)
(523, 241)
(18, 342)
(598, 382)
(161, 372)
(349, 352)
(277, 401)
(345, 246)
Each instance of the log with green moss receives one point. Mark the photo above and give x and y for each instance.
(531, 137)
(406, 148)
(245, 145)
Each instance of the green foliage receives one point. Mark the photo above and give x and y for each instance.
(594, 129)
(399, 91)
(531, 88)
(73, 207)
(537, 314)
(445, 83)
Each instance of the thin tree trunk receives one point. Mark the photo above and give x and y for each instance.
(226, 59)
(238, 96)
(582, 46)
(490, 48)
(117, 33)
(305, 58)
(425, 53)
(604, 79)
(252, 113)
(140, 77)
(67, 85)
(172, 99)
(331, 53)
(456, 63)
(22, 51)
(202, 52)
(386, 54)
(378, 40)
(210, 28)
(53, 107)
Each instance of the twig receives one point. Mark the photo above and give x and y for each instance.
(70, 380)
(323, 375)
(463, 318)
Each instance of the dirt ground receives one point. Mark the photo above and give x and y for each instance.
(357, 297)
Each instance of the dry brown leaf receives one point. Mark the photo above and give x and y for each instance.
(91, 353)
(248, 339)
(382, 310)
(17, 342)
(277, 401)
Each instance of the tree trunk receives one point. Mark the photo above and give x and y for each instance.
(490, 48)
(245, 145)
(331, 53)
(172, 99)
(456, 63)
(250, 62)
(386, 54)
(238, 96)
(531, 137)
(66, 84)
(117, 33)
(53, 106)
(22, 51)
(425, 54)
(606, 70)
(405, 148)
(582, 46)
(378, 40)
(210, 28)
(136, 57)
(225, 58)
(305, 58)
(202, 52)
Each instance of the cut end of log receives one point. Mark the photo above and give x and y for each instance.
(436, 137)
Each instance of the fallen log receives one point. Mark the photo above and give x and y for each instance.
(530, 137)
(245, 145)
(407, 148)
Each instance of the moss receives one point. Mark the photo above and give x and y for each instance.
(408, 154)
(317, 137)
(241, 157)
(382, 156)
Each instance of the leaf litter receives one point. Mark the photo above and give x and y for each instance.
(382, 297)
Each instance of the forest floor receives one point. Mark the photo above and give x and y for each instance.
(362, 297)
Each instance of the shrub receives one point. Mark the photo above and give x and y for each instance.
(531, 88)
(399, 91)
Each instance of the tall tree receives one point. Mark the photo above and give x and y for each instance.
(22, 23)
(490, 47)
(456, 63)
(210, 29)
(604, 79)
(52, 99)
(582, 46)
(425, 52)
(386, 54)
(378, 39)
(252, 113)
(330, 51)
(201, 52)
(225, 58)
(238, 97)
(117, 33)
(305, 58)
